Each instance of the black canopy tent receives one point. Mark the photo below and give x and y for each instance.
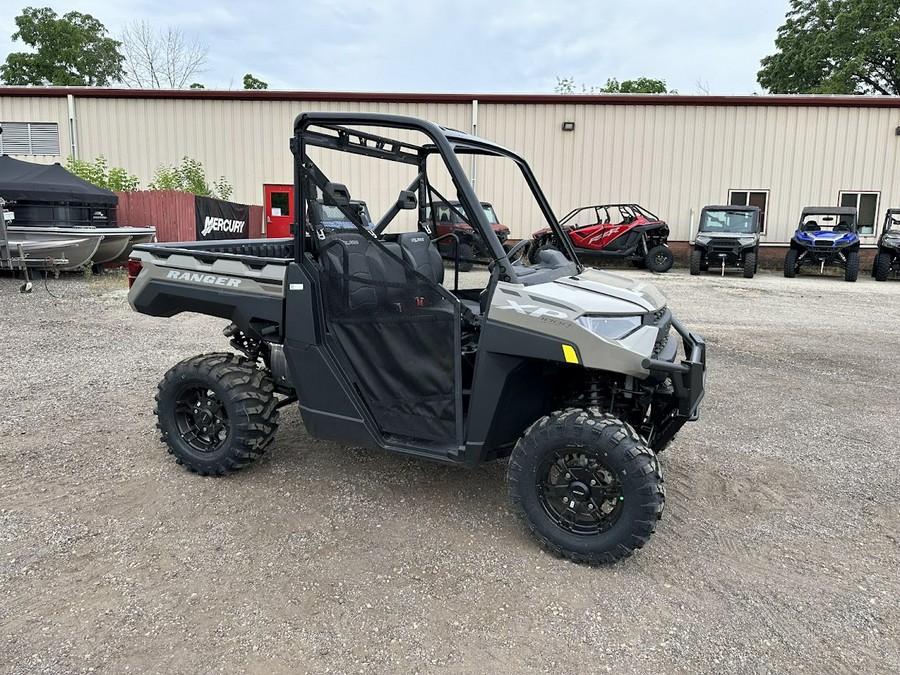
(47, 194)
(47, 183)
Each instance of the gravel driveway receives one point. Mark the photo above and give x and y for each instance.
(778, 550)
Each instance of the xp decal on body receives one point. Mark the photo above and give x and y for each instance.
(577, 376)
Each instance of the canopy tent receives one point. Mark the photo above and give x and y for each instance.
(47, 183)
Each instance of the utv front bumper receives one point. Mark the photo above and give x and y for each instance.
(688, 380)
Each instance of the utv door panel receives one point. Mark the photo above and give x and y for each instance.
(399, 334)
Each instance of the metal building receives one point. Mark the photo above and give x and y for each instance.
(672, 154)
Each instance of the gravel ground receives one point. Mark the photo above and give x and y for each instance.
(778, 550)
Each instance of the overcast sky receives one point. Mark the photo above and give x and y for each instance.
(458, 46)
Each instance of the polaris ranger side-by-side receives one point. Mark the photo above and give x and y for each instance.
(887, 259)
(578, 376)
(727, 235)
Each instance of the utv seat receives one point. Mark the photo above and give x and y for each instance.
(359, 271)
(422, 255)
(842, 226)
(810, 226)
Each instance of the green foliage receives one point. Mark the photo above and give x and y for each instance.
(190, 176)
(197, 85)
(641, 85)
(251, 82)
(836, 47)
(102, 175)
(69, 51)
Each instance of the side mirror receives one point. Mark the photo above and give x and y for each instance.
(407, 200)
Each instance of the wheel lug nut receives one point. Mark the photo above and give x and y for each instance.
(568, 475)
(593, 482)
(590, 507)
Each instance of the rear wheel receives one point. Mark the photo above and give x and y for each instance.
(696, 261)
(749, 265)
(790, 264)
(466, 257)
(851, 269)
(659, 259)
(216, 412)
(586, 486)
(535, 250)
(882, 266)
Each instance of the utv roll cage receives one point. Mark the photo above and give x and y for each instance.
(335, 131)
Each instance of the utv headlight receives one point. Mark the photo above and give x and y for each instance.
(611, 327)
(746, 241)
(701, 239)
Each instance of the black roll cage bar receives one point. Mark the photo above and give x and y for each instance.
(333, 132)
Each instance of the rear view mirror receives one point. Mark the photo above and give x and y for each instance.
(407, 200)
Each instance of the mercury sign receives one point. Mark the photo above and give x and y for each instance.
(218, 219)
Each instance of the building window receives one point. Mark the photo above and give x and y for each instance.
(29, 138)
(866, 205)
(758, 198)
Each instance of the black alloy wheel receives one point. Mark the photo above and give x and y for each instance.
(579, 493)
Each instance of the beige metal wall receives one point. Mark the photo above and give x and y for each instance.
(673, 159)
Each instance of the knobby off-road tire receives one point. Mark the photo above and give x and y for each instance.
(882, 266)
(535, 249)
(586, 486)
(659, 259)
(749, 265)
(696, 261)
(216, 412)
(466, 257)
(790, 264)
(851, 270)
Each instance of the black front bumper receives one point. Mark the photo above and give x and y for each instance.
(688, 381)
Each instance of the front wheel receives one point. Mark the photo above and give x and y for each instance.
(216, 412)
(790, 264)
(749, 265)
(851, 269)
(659, 259)
(696, 261)
(586, 486)
(882, 266)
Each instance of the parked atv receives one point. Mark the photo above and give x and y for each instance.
(887, 259)
(444, 218)
(579, 377)
(727, 235)
(624, 231)
(826, 236)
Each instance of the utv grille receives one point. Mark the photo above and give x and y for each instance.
(724, 245)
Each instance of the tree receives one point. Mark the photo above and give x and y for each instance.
(102, 175)
(69, 51)
(190, 176)
(836, 47)
(160, 60)
(251, 82)
(641, 85)
(197, 85)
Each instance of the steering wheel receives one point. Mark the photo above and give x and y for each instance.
(518, 248)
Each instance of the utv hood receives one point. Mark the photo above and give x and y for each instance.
(591, 292)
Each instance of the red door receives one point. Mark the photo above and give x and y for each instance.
(279, 201)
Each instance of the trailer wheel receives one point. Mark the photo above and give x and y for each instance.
(851, 270)
(659, 259)
(749, 265)
(696, 261)
(216, 412)
(586, 486)
(790, 264)
(882, 266)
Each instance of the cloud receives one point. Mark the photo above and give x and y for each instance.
(465, 46)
